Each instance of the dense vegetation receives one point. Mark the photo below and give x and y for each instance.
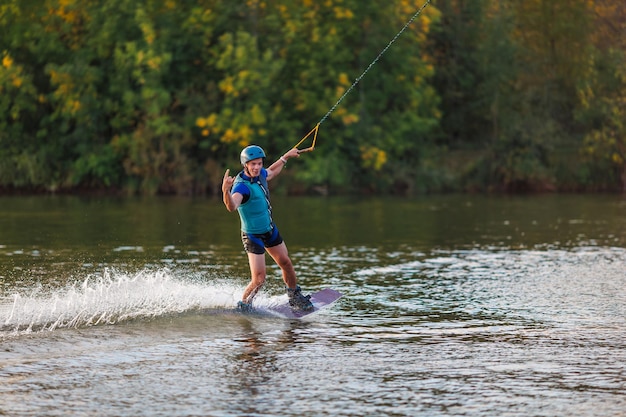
(159, 96)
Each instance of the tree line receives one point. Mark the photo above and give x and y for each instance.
(160, 96)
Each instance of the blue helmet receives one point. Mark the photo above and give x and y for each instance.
(251, 152)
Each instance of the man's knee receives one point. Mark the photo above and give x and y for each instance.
(259, 278)
(285, 263)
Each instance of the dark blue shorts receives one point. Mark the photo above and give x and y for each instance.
(255, 243)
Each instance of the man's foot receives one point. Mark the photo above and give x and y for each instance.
(297, 301)
(244, 307)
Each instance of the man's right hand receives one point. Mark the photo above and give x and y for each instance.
(227, 182)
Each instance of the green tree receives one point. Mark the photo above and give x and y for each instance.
(389, 114)
(463, 47)
(514, 82)
(160, 98)
(603, 99)
(18, 97)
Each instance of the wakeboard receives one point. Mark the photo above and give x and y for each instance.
(320, 299)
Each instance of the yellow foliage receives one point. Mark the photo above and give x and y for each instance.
(74, 15)
(373, 157)
(243, 74)
(7, 61)
(63, 81)
(148, 32)
(229, 136)
(256, 3)
(211, 120)
(201, 122)
(70, 16)
(226, 85)
(256, 115)
(343, 13)
(245, 133)
(343, 79)
(617, 158)
(381, 160)
(310, 15)
(75, 106)
(349, 119)
(290, 27)
(17, 82)
(339, 91)
(205, 123)
(150, 38)
(154, 63)
(54, 76)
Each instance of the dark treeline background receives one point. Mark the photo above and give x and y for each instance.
(159, 96)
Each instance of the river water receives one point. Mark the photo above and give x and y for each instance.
(453, 306)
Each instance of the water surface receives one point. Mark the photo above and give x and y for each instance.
(454, 305)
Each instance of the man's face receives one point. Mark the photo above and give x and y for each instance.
(254, 167)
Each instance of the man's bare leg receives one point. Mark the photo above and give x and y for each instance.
(281, 256)
(257, 276)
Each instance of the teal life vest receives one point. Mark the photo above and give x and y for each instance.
(256, 212)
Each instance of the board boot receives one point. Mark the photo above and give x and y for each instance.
(244, 307)
(297, 301)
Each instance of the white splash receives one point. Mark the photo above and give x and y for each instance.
(113, 297)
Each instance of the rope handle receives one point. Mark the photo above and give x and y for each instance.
(312, 147)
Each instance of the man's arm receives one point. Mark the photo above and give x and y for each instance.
(231, 201)
(277, 166)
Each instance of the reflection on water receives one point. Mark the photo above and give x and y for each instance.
(453, 306)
